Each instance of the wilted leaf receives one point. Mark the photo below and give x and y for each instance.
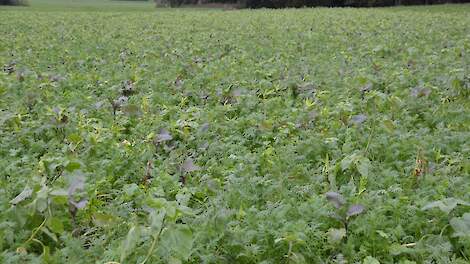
(335, 198)
(355, 209)
(26, 193)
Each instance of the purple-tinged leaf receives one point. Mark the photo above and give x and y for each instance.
(189, 166)
(77, 184)
(420, 92)
(56, 110)
(163, 135)
(204, 128)
(80, 204)
(355, 209)
(120, 101)
(335, 198)
(358, 119)
(366, 88)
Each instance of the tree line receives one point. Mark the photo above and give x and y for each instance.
(307, 3)
(12, 2)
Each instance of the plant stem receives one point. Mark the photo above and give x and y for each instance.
(154, 242)
(35, 231)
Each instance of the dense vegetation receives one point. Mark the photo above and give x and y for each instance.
(254, 136)
(308, 3)
(341, 3)
(12, 2)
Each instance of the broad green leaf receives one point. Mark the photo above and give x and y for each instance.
(336, 235)
(363, 166)
(50, 234)
(128, 245)
(55, 225)
(177, 240)
(347, 161)
(156, 219)
(445, 205)
(370, 260)
(72, 165)
(461, 225)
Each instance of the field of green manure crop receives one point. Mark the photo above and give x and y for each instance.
(252, 136)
